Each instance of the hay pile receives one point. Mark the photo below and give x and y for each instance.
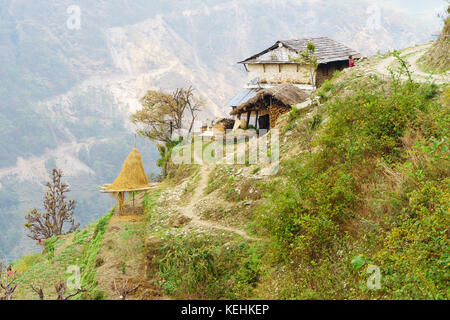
(438, 57)
(132, 175)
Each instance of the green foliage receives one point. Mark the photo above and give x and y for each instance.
(205, 267)
(165, 151)
(382, 159)
(256, 170)
(358, 261)
(26, 262)
(316, 121)
(49, 245)
(232, 194)
(307, 57)
(415, 257)
(294, 114)
(88, 271)
(328, 87)
(149, 202)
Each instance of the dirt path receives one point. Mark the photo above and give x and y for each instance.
(412, 55)
(190, 211)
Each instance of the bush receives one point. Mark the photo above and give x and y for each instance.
(377, 184)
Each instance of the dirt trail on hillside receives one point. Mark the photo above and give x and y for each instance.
(190, 211)
(413, 55)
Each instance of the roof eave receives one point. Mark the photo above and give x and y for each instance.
(261, 53)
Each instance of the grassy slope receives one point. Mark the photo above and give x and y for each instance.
(374, 191)
(363, 180)
(47, 269)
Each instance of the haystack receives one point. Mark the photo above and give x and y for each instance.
(132, 178)
(132, 175)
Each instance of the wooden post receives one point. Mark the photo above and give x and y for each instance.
(248, 120)
(256, 120)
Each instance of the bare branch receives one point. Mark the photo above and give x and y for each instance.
(124, 289)
(7, 279)
(61, 290)
(38, 290)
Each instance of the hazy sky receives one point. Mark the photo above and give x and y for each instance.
(422, 8)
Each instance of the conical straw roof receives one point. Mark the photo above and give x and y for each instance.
(132, 175)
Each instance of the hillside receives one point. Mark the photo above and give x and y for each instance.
(437, 58)
(363, 181)
(66, 94)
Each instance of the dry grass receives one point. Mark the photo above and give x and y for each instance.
(438, 57)
(132, 175)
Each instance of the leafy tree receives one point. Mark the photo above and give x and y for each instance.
(162, 114)
(58, 212)
(308, 58)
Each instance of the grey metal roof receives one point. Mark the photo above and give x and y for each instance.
(327, 50)
(242, 96)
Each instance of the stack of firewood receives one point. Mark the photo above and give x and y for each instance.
(276, 112)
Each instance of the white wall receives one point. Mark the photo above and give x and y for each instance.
(275, 73)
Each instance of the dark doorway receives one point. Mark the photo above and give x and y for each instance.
(264, 122)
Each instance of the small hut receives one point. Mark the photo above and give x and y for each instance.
(269, 104)
(222, 125)
(131, 179)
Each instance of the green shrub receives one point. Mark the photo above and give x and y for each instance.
(415, 258)
(375, 189)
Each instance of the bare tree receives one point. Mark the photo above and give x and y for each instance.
(185, 99)
(7, 279)
(38, 290)
(61, 291)
(123, 290)
(58, 212)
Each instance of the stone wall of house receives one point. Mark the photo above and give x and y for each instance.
(280, 73)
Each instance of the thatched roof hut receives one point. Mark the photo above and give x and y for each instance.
(284, 95)
(269, 104)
